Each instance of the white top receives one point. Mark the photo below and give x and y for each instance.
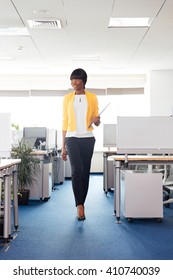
(80, 109)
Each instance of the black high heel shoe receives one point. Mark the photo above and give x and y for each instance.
(82, 218)
(81, 214)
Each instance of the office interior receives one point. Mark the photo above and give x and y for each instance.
(129, 67)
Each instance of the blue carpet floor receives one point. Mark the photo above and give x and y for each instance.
(50, 230)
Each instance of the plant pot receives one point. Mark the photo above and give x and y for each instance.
(23, 197)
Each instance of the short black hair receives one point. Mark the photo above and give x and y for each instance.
(79, 74)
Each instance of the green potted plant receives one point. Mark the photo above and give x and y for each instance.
(27, 169)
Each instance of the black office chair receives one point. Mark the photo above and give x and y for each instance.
(168, 186)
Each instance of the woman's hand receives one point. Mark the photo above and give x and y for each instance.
(64, 154)
(96, 121)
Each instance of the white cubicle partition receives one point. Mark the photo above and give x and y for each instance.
(109, 135)
(50, 138)
(5, 132)
(39, 136)
(145, 135)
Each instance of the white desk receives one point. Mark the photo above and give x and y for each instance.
(121, 162)
(8, 170)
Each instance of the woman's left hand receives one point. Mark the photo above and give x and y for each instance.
(96, 121)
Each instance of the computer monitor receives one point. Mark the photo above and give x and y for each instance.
(40, 135)
(34, 136)
(34, 132)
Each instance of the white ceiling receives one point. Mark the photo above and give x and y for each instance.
(85, 39)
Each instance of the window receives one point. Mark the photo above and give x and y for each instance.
(47, 111)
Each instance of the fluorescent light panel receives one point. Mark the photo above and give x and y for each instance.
(129, 22)
(16, 31)
(6, 57)
(86, 58)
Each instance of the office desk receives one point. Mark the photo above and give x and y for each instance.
(107, 152)
(122, 162)
(8, 170)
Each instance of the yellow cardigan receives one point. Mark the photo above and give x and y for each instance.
(69, 122)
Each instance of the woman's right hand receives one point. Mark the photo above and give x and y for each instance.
(64, 154)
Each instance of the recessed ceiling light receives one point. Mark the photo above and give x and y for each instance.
(86, 58)
(43, 11)
(20, 48)
(16, 31)
(129, 22)
(6, 57)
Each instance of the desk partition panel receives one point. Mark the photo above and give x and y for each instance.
(141, 135)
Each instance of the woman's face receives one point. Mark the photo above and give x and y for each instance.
(77, 84)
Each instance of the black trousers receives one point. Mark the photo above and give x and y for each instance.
(80, 151)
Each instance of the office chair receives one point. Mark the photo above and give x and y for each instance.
(168, 187)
